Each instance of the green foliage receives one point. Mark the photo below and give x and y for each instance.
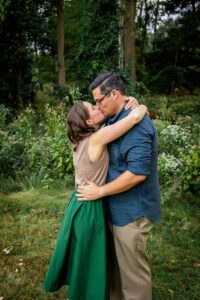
(98, 49)
(179, 157)
(4, 115)
(53, 95)
(188, 105)
(169, 107)
(26, 30)
(190, 173)
(174, 59)
(35, 146)
(159, 107)
(168, 78)
(36, 149)
(3, 7)
(174, 138)
(135, 89)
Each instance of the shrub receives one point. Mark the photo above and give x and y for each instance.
(169, 168)
(4, 112)
(168, 78)
(185, 105)
(173, 138)
(190, 174)
(179, 157)
(159, 107)
(41, 148)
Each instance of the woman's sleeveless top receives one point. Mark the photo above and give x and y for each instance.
(85, 169)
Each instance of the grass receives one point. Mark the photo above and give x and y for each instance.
(174, 253)
(29, 222)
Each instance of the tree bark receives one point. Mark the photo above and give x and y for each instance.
(60, 45)
(144, 33)
(155, 24)
(129, 37)
(121, 36)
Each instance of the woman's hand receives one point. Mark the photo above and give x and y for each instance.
(131, 103)
(138, 113)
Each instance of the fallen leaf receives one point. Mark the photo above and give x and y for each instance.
(196, 264)
(173, 261)
(8, 250)
(171, 292)
(1, 298)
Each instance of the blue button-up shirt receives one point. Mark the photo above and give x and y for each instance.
(136, 152)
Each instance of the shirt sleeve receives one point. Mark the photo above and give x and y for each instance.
(137, 150)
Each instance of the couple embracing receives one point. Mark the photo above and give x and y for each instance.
(100, 251)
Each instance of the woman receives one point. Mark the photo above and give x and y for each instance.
(79, 258)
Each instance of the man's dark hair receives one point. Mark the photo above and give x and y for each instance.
(107, 82)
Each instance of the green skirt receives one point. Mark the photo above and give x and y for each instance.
(79, 257)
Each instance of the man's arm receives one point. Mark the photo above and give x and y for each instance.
(122, 183)
(137, 152)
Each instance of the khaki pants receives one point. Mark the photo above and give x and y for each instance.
(130, 275)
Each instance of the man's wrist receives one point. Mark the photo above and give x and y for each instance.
(101, 191)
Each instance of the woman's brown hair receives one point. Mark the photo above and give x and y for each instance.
(77, 128)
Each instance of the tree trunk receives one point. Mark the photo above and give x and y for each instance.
(141, 8)
(144, 34)
(129, 37)
(155, 24)
(121, 36)
(60, 38)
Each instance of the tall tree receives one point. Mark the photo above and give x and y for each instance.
(24, 30)
(60, 41)
(155, 22)
(145, 21)
(128, 37)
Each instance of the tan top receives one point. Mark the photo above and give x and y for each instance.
(85, 169)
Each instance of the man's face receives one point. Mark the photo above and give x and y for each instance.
(105, 102)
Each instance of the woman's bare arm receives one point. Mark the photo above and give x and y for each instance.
(112, 132)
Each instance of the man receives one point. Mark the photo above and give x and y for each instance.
(132, 189)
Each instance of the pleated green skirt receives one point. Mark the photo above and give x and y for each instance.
(79, 257)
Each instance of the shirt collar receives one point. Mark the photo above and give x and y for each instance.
(116, 117)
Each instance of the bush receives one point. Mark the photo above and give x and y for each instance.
(34, 149)
(54, 95)
(169, 168)
(30, 148)
(179, 156)
(187, 105)
(173, 138)
(190, 174)
(4, 111)
(159, 107)
(168, 78)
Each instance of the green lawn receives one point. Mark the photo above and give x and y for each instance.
(29, 222)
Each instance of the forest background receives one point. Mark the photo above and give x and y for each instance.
(50, 52)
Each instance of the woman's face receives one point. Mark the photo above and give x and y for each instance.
(96, 116)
